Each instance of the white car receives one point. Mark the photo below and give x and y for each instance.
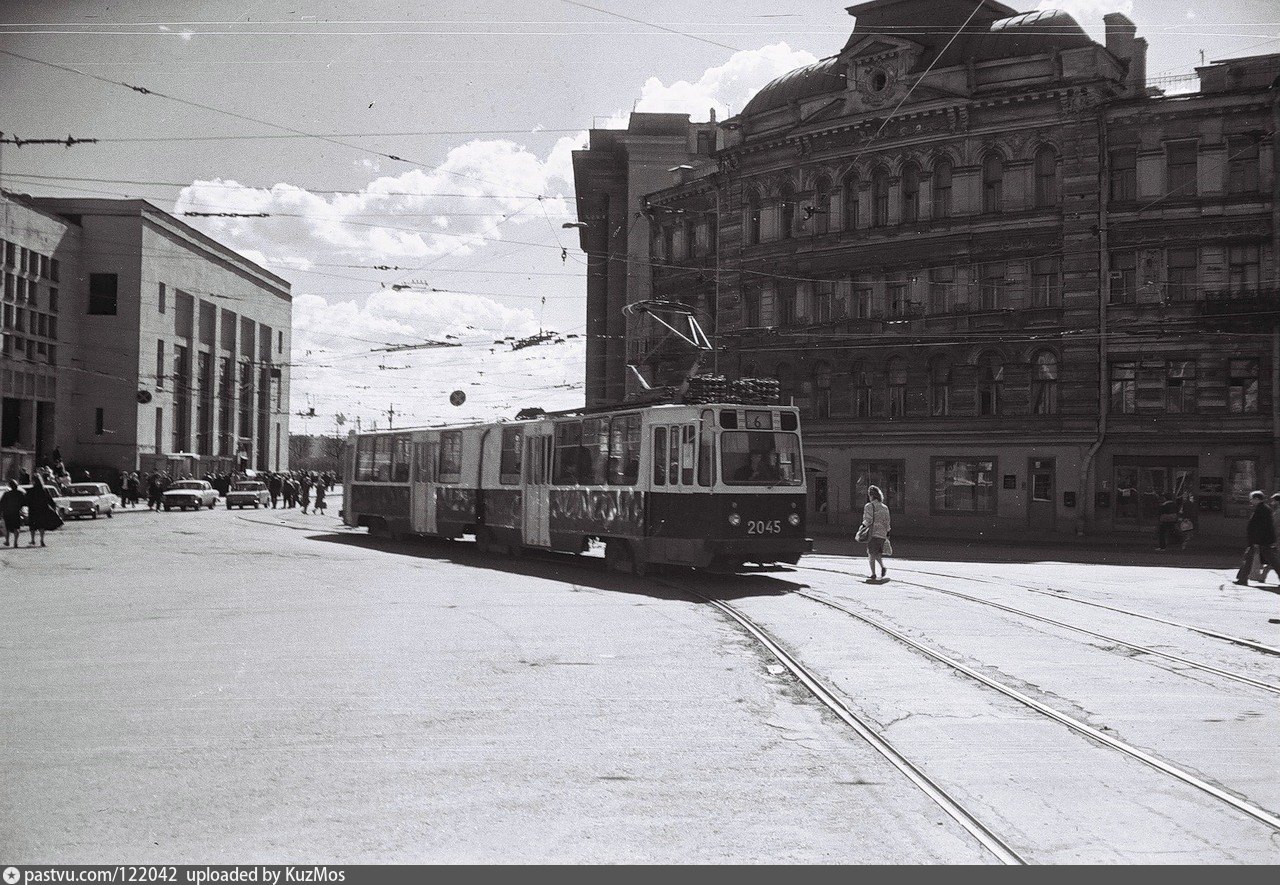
(92, 499)
(248, 494)
(190, 494)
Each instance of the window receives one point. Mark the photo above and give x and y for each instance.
(823, 296)
(991, 294)
(896, 391)
(760, 458)
(939, 387)
(450, 456)
(705, 145)
(860, 391)
(753, 219)
(568, 439)
(888, 475)
(53, 269)
(898, 304)
(1124, 175)
(1180, 168)
(822, 389)
(910, 193)
(99, 422)
(279, 342)
(964, 485)
(659, 456)
(624, 450)
(707, 449)
(880, 197)
(941, 281)
(1044, 384)
(159, 430)
(1242, 164)
(688, 453)
(786, 383)
(593, 454)
(1124, 388)
(751, 308)
(510, 462)
(1180, 386)
(990, 380)
(822, 206)
(1242, 479)
(1242, 268)
(161, 298)
(851, 201)
(942, 188)
(381, 459)
(992, 183)
(401, 458)
(1124, 277)
(862, 303)
(1045, 290)
(1183, 274)
(53, 299)
(1242, 386)
(160, 365)
(787, 303)
(1046, 171)
(786, 211)
(102, 294)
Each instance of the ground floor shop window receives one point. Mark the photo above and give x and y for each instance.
(888, 475)
(1242, 478)
(964, 485)
(1143, 484)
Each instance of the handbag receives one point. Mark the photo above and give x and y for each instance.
(888, 548)
(1186, 525)
(864, 532)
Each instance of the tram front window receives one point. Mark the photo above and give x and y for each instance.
(756, 458)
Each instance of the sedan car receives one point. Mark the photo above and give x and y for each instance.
(190, 494)
(248, 494)
(91, 499)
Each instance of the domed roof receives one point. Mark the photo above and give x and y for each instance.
(806, 82)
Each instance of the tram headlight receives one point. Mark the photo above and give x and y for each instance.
(734, 519)
(794, 519)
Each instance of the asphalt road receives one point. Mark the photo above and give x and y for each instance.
(269, 687)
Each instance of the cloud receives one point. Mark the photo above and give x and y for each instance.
(336, 364)
(417, 214)
(727, 87)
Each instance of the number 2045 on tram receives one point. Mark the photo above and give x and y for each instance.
(707, 486)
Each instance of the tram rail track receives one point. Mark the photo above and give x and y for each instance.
(1133, 646)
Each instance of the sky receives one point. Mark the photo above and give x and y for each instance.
(414, 158)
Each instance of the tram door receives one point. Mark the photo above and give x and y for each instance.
(537, 491)
(423, 490)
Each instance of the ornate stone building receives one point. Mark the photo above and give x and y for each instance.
(1007, 282)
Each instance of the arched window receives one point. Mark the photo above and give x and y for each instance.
(851, 201)
(860, 390)
(1044, 384)
(896, 390)
(992, 182)
(786, 211)
(822, 206)
(822, 389)
(940, 386)
(990, 380)
(942, 170)
(786, 383)
(880, 197)
(1046, 168)
(910, 193)
(753, 219)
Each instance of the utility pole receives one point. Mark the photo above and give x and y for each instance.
(390, 413)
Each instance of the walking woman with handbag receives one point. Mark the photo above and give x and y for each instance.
(874, 532)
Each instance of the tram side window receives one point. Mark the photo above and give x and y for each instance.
(426, 452)
(400, 459)
(364, 459)
(568, 441)
(624, 450)
(673, 455)
(659, 456)
(381, 459)
(450, 456)
(706, 449)
(593, 455)
(688, 448)
(509, 468)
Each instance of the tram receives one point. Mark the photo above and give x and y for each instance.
(709, 486)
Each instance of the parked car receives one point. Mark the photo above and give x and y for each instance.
(90, 499)
(190, 494)
(248, 494)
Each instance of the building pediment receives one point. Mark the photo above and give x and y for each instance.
(876, 70)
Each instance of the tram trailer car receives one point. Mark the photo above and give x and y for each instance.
(707, 486)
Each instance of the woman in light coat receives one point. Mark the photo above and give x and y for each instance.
(875, 519)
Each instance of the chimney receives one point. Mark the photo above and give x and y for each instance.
(1124, 44)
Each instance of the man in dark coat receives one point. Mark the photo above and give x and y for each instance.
(274, 487)
(1260, 534)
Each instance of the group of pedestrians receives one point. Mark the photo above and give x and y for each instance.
(299, 489)
(42, 512)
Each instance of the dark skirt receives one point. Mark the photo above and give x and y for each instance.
(43, 516)
(12, 522)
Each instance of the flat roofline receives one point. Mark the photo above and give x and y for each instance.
(147, 210)
(27, 201)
